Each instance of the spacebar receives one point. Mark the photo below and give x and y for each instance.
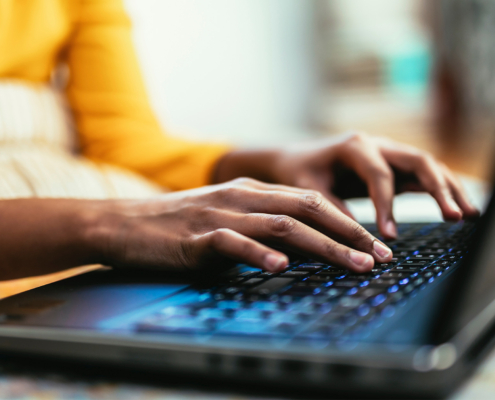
(271, 286)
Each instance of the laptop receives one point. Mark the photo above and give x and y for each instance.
(415, 327)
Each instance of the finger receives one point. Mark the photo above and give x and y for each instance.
(460, 195)
(311, 183)
(242, 249)
(430, 176)
(255, 184)
(315, 210)
(309, 187)
(298, 237)
(365, 159)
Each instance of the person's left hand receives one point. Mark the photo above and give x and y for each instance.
(358, 165)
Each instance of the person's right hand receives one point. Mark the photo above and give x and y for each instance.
(238, 221)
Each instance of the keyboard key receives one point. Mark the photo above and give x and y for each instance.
(271, 286)
(382, 283)
(236, 280)
(306, 284)
(415, 262)
(334, 293)
(307, 269)
(367, 292)
(230, 305)
(266, 275)
(384, 266)
(418, 282)
(314, 264)
(295, 274)
(206, 313)
(424, 257)
(331, 276)
(450, 258)
(265, 306)
(249, 274)
(346, 284)
(252, 282)
(408, 268)
(298, 292)
(395, 275)
(232, 290)
(435, 252)
(415, 259)
(443, 264)
(375, 271)
(319, 279)
(247, 328)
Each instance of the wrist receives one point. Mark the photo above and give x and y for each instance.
(257, 164)
(99, 223)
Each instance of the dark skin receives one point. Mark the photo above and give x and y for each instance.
(294, 202)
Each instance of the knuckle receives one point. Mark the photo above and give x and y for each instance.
(200, 213)
(358, 137)
(358, 234)
(330, 248)
(246, 248)
(444, 191)
(282, 225)
(198, 217)
(312, 203)
(382, 173)
(244, 181)
(425, 160)
(229, 193)
(218, 236)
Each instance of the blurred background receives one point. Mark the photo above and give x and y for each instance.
(261, 72)
(265, 72)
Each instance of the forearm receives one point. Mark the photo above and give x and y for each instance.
(39, 236)
(257, 164)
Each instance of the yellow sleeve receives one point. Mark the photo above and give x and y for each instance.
(113, 116)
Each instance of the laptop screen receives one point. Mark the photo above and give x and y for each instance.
(473, 286)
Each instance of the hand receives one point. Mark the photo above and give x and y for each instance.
(358, 165)
(234, 221)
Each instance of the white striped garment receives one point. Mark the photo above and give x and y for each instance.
(38, 151)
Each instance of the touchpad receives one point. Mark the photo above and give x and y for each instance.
(84, 301)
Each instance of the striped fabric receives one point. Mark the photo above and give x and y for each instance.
(38, 151)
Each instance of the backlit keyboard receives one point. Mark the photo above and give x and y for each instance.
(313, 299)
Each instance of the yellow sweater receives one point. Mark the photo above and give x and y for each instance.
(105, 91)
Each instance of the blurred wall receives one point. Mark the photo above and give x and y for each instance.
(237, 70)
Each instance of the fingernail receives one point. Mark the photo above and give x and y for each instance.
(274, 262)
(361, 260)
(380, 249)
(391, 229)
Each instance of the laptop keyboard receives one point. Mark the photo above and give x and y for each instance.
(314, 300)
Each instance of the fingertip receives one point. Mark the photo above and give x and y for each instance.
(454, 211)
(275, 262)
(453, 215)
(362, 262)
(383, 252)
(390, 230)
